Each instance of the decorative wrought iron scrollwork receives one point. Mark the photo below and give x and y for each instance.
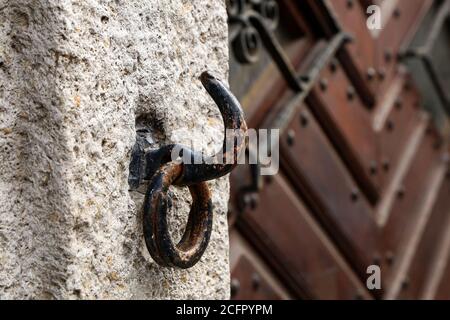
(160, 170)
(245, 40)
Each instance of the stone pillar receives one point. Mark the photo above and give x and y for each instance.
(74, 77)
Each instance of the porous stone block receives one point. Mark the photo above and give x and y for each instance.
(74, 77)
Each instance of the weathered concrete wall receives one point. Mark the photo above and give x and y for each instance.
(74, 76)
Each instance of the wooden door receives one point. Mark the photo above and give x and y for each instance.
(364, 176)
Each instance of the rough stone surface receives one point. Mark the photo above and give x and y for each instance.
(74, 77)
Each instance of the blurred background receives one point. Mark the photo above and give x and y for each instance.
(360, 92)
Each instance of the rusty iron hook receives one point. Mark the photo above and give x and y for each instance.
(157, 167)
(198, 229)
(209, 167)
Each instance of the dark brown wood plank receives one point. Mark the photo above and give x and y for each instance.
(247, 283)
(292, 242)
(357, 56)
(401, 19)
(349, 125)
(443, 290)
(425, 257)
(352, 18)
(413, 199)
(397, 117)
(318, 172)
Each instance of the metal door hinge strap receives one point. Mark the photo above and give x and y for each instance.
(424, 53)
(157, 167)
(281, 121)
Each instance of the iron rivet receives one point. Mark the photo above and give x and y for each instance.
(386, 165)
(235, 286)
(390, 125)
(251, 201)
(358, 296)
(333, 65)
(388, 55)
(398, 104)
(323, 84)
(354, 195)
(303, 120)
(373, 168)
(254, 201)
(405, 283)
(371, 72)
(350, 93)
(256, 281)
(390, 258)
(381, 74)
(290, 137)
(349, 4)
(376, 260)
(407, 86)
(401, 192)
